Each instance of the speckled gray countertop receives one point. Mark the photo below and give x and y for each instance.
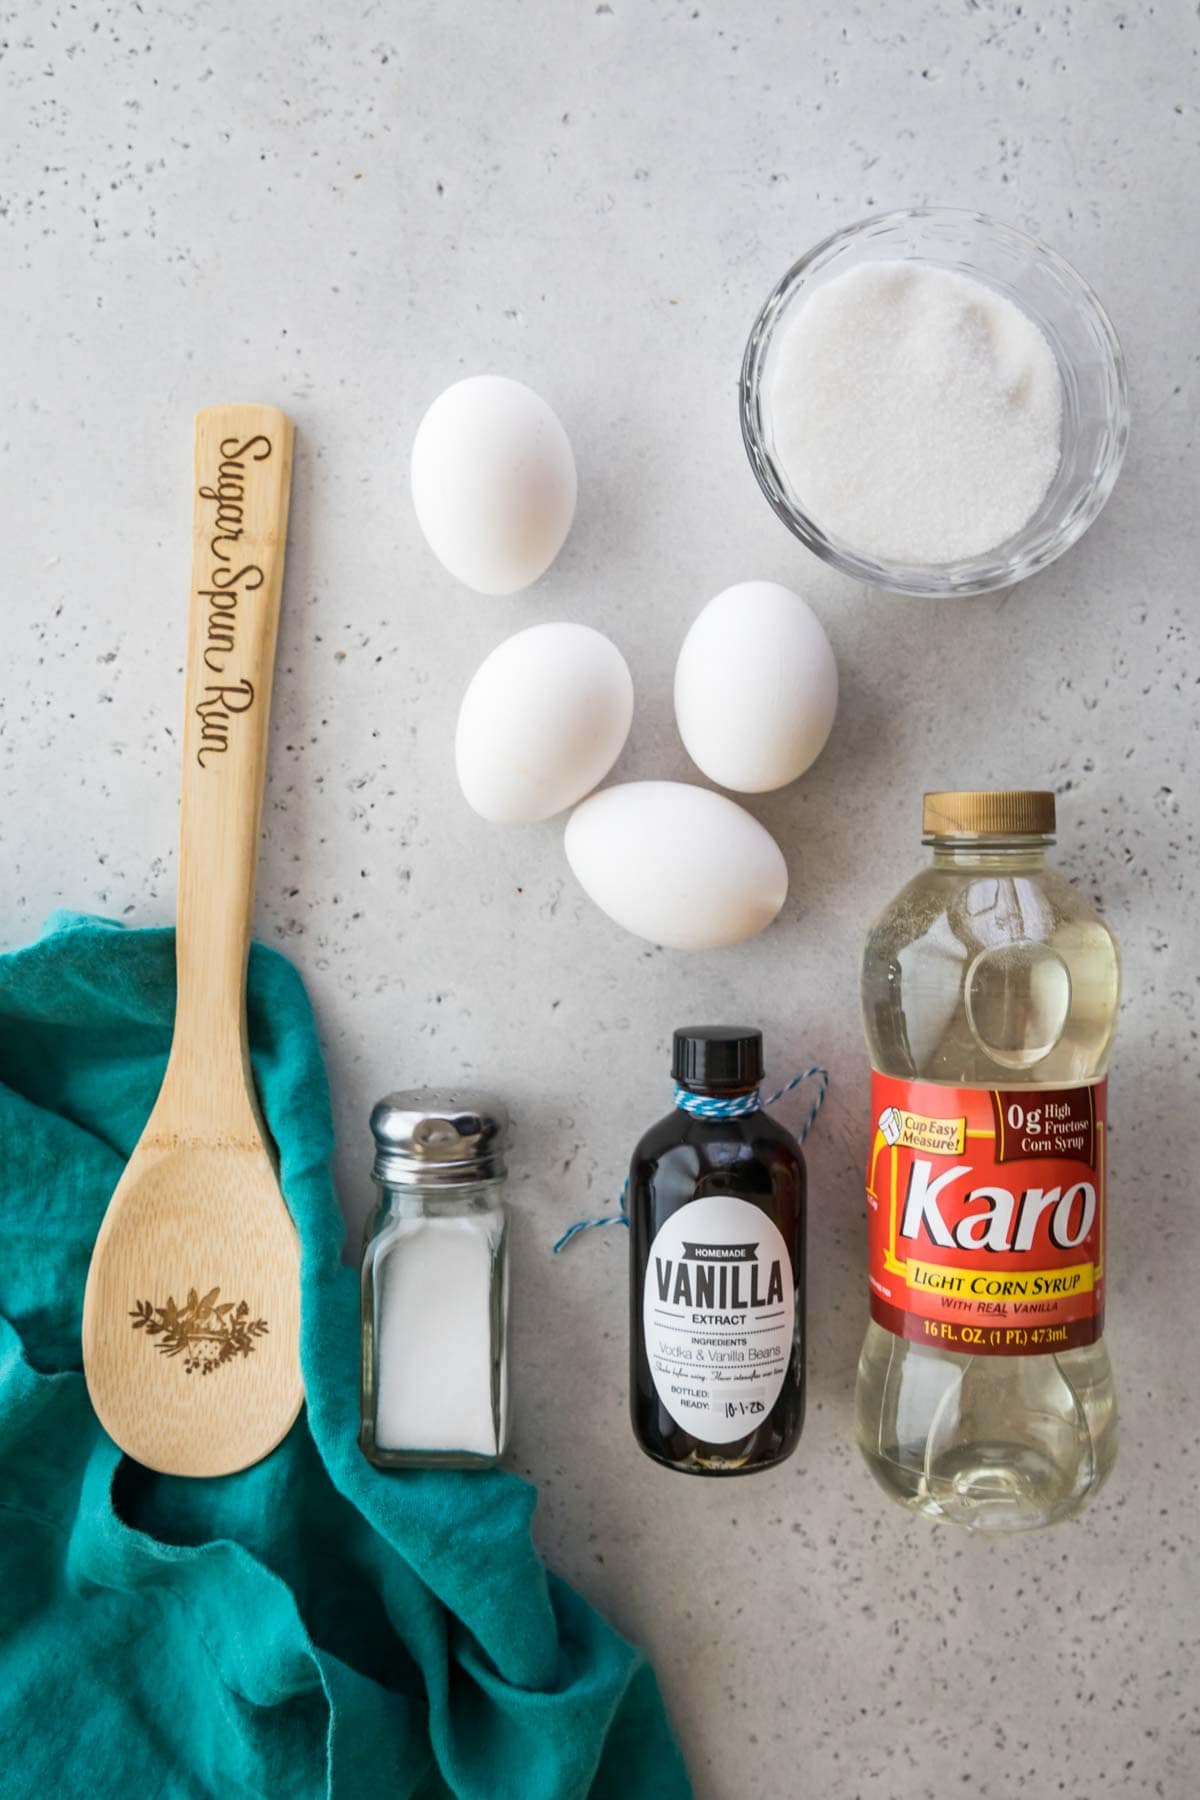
(202, 202)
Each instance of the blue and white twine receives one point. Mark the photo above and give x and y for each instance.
(706, 1106)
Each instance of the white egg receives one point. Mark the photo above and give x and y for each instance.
(756, 688)
(677, 864)
(493, 483)
(544, 719)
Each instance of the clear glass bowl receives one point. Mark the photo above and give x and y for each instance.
(1095, 425)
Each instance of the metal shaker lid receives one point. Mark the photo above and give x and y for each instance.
(429, 1137)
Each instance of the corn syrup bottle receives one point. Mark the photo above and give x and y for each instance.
(989, 990)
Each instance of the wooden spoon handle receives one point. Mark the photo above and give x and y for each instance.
(243, 477)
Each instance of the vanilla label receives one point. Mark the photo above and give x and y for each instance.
(719, 1316)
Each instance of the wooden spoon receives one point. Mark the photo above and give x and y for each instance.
(191, 1315)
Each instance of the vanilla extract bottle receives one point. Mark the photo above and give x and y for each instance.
(717, 1196)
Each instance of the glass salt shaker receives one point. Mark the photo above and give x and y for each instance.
(435, 1286)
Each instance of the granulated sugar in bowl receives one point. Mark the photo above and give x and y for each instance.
(934, 403)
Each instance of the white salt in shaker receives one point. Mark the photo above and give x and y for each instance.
(435, 1286)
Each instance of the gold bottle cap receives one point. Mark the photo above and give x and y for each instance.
(1005, 812)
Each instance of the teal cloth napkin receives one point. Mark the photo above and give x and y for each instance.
(311, 1625)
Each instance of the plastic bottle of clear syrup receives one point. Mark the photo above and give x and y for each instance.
(989, 988)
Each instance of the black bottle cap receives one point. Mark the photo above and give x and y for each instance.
(717, 1056)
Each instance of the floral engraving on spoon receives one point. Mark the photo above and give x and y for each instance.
(205, 1331)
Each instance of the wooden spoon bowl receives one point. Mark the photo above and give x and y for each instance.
(193, 1332)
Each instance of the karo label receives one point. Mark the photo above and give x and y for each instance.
(985, 1211)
